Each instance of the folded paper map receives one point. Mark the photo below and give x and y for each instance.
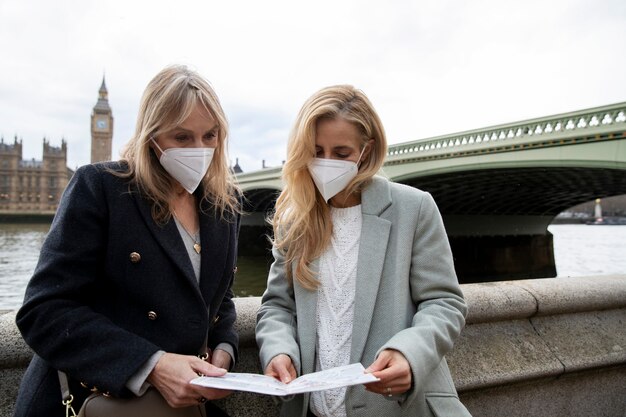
(341, 376)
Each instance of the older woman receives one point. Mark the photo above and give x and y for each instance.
(134, 278)
(363, 272)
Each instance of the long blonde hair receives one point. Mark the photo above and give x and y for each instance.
(301, 221)
(167, 102)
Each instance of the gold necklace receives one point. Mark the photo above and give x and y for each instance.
(196, 244)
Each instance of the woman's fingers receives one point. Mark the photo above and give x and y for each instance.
(281, 367)
(172, 374)
(394, 372)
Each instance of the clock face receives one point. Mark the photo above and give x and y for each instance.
(101, 124)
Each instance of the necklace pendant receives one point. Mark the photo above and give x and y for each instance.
(196, 247)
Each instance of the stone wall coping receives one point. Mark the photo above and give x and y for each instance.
(511, 300)
(505, 300)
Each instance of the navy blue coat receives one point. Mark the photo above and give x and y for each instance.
(98, 313)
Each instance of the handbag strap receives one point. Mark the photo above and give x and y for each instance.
(66, 396)
(65, 386)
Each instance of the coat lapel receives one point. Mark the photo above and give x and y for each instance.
(376, 197)
(168, 237)
(306, 310)
(215, 242)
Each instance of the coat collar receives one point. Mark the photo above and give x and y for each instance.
(376, 196)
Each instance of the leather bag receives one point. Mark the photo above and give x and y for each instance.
(151, 404)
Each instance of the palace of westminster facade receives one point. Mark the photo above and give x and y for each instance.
(30, 188)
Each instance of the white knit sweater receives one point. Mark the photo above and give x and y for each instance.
(335, 305)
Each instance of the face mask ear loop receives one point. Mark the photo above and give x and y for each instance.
(361, 154)
(156, 144)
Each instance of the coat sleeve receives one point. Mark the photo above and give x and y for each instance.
(276, 329)
(55, 319)
(441, 309)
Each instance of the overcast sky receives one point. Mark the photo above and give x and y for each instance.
(430, 67)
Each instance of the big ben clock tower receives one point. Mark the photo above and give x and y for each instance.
(101, 127)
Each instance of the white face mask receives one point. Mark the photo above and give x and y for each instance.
(186, 165)
(331, 176)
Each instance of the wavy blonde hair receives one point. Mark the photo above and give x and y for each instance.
(301, 220)
(167, 102)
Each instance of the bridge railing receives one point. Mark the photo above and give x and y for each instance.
(586, 123)
(598, 123)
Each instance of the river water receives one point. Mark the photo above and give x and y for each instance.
(578, 249)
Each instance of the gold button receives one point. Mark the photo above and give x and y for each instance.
(152, 315)
(215, 319)
(135, 257)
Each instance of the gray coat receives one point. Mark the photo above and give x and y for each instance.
(407, 298)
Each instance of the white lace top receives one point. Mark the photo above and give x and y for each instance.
(335, 305)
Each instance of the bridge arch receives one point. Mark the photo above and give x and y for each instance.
(542, 182)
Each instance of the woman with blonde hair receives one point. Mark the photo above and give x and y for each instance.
(132, 290)
(363, 272)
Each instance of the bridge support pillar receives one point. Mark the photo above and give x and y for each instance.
(476, 258)
(497, 258)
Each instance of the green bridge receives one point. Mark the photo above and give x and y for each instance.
(498, 188)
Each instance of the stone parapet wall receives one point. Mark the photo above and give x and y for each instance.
(545, 347)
